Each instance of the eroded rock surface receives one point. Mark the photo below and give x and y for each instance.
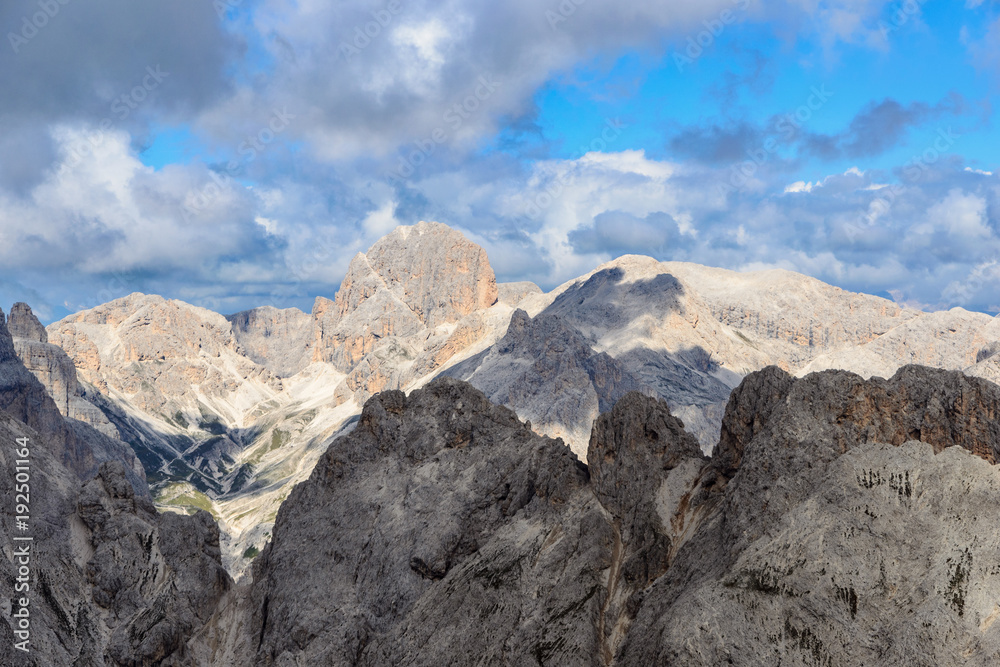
(546, 372)
(111, 582)
(480, 538)
(844, 522)
(54, 369)
(401, 301)
(26, 399)
(280, 340)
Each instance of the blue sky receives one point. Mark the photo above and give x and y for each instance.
(851, 140)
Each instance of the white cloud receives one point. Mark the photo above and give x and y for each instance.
(962, 215)
(366, 89)
(381, 221)
(801, 186)
(105, 211)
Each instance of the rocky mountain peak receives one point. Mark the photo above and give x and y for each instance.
(545, 370)
(7, 352)
(635, 450)
(23, 324)
(438, 274)
(780, 433)
(482, 470)
(419, 294)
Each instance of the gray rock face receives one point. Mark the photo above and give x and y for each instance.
(421, 485)
(545, 371)
(161, 574)
(809, 422)
(280, 340)
(450, 530)
(22, 323)
(659, 329)
(54, 369)
(514, 293)
(843, 528)
(25, 399)
(633, 450)
(111, 582)
(844, 522)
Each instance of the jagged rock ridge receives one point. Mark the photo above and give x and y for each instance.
(460, 536)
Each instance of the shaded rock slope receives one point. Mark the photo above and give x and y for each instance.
(546, 371)
(26, 399)
(111, 582)
(842, 521)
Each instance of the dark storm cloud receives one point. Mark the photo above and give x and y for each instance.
(617, 232)
(26, 152)
(881, 127)
(109, 65)
(87, 54)
(878, 128)
(717, 144)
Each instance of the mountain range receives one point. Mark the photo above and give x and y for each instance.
(227, 414)
(839, 521)
(655, 463)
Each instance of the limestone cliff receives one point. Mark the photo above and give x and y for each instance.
(404, 300)
(54, 369)
(280, 340)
